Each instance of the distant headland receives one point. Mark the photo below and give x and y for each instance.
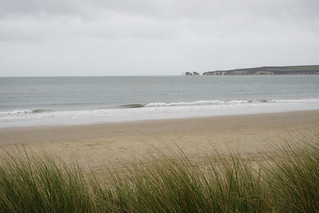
(266, 70)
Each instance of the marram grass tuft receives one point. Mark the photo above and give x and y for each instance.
(290, 183)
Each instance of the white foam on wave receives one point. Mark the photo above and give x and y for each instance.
(206, 102)
(153, 111)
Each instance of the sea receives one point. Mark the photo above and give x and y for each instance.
(32, 101)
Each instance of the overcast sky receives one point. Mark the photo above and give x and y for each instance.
(154, 37)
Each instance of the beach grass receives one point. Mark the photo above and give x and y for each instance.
(294, 179)
(289, 182)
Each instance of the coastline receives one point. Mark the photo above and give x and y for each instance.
(152, 111)
(110, 143)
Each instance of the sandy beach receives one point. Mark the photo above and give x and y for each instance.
(112, 144)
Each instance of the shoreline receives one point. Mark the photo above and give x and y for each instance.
(152, 111)
(147, 120)
(111, 143)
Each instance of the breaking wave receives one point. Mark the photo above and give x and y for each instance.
(206, 103)
(157, 110)
(131, 106)
(26, 111)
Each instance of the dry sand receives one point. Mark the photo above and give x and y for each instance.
(117, 143)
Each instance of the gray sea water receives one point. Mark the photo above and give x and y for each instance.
(79, 100)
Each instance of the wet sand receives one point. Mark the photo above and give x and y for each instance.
(112, 144)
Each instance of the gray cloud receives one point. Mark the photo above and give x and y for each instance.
(120, 37)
